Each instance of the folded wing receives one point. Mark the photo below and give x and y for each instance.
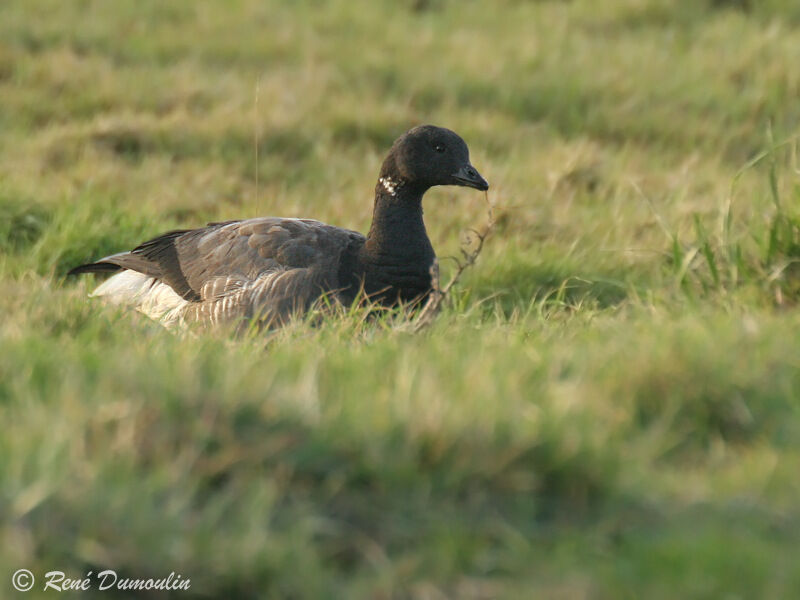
(266, 268)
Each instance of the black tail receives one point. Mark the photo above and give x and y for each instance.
(97, 267)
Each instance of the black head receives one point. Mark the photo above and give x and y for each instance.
(426, 156)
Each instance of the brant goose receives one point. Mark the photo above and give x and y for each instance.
(269, 268)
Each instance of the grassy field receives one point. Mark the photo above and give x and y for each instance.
(609, 406)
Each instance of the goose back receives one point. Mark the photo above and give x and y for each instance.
(266, 268)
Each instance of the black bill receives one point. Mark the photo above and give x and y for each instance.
(469, 176)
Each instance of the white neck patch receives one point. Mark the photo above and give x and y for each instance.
(390, 185)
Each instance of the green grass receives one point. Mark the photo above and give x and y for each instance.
(608, 407)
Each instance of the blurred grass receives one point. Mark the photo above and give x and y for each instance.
(607, 409)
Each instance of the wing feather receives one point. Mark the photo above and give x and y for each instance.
(265, 268)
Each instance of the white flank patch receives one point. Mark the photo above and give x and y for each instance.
(157, 300)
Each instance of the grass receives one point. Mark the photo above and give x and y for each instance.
(607, 408)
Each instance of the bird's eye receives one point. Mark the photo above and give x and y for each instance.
(439, 147)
